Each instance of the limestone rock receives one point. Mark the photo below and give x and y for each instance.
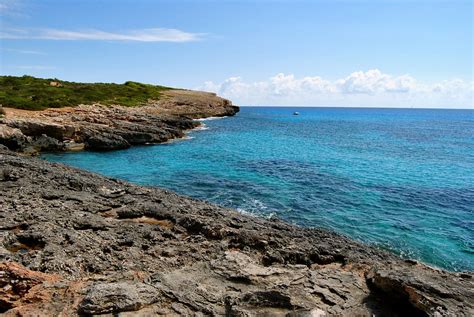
(13, 138)
(48, 144)
(21, 287)
(37, 128)
(102, 298)
(55, 84)
(105, 142)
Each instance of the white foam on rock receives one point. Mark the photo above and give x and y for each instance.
(202, 127)
(210, 118)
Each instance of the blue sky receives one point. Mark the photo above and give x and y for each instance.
(348, 53)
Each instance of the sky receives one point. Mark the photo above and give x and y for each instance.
(306, 53)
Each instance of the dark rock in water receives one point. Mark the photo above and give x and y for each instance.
(48, 144)
(105, 142)
(76, 243)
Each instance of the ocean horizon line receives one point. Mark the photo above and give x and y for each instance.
(350, 107)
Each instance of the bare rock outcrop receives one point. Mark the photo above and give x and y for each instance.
(13, 138)
(76, 243)
(193, 104)
(102, 298)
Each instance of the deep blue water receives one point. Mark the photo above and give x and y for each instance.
(401, 179)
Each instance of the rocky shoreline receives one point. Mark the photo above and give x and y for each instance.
(74, 243)
(103, 128)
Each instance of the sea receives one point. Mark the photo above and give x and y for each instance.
(399, 179)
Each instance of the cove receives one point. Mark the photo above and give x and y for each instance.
(400, 179)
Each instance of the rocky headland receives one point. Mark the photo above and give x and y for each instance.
(74, 243)
(98, 127)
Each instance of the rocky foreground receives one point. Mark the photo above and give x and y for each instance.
(76, 243)
(100, 128)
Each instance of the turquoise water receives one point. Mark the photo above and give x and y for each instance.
(400, 179)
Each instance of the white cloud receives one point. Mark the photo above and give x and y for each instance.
(371, 88)
(142, 35)
(374, 81)
(20, 51)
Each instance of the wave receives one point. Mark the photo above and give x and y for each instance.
(202, 127)
(255, 207)
(210, 118)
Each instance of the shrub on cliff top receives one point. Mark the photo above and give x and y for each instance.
(32, 93)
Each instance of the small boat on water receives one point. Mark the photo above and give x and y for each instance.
(296, 113)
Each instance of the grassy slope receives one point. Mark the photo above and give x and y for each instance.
(36, 93)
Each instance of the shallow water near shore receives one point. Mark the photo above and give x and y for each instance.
(401, 179)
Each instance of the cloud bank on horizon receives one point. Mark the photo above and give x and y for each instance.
(371, 88)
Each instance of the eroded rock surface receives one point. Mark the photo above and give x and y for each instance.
(102, 128)
(73, 242)
(104, 298)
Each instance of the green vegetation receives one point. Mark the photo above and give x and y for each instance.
(32, 93)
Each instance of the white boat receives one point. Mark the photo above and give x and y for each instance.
(296, 113)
